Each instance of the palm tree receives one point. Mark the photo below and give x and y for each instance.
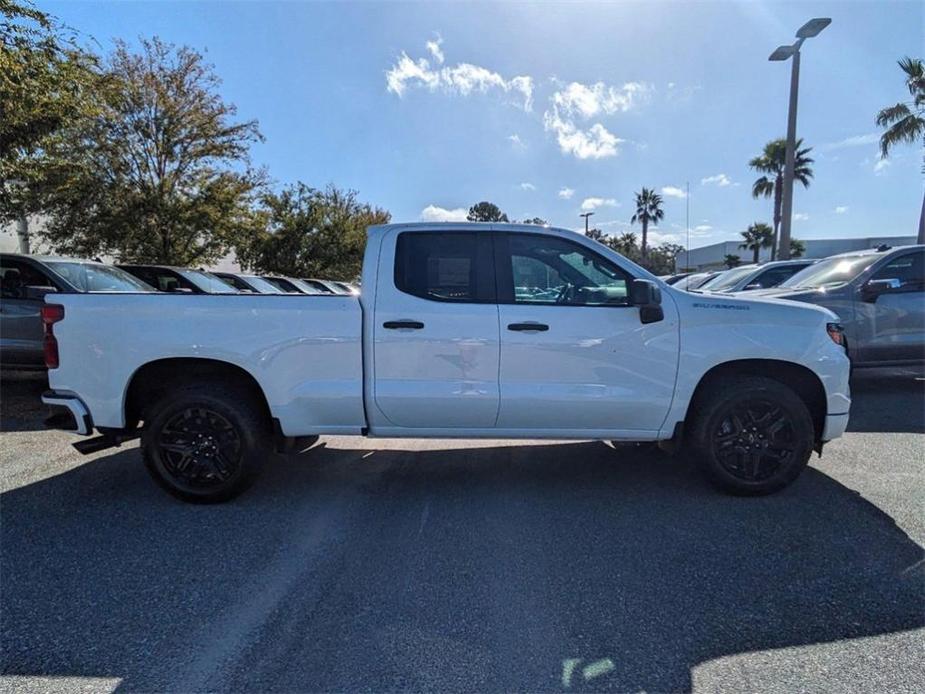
(797, 248)
(732, 261)
(905, 122)
(771, 162)
(648, 209)
(758, 235)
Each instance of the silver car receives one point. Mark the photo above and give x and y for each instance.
(879, 296)
(748, 278)
(25, 280)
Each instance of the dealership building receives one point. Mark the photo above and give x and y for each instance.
(712, 257)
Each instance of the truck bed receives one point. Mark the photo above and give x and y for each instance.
(275, 338)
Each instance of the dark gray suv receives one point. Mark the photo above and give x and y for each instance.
(24, 282)
(879, 296)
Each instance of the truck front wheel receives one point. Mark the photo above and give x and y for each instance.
(205, 443)
(751, 435)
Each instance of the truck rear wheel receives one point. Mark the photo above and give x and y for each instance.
(751, 435)
(205, 443)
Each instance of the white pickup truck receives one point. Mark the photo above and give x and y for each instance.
(462, 330)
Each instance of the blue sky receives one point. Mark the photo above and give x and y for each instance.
(548, 109)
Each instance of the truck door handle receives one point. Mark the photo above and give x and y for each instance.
(399, 324)
(539, 327)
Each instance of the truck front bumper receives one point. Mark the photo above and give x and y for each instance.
(67, 412)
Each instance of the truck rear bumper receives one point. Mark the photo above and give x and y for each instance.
(835, 425)
(68, 413)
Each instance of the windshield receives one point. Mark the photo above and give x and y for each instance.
(94, 277)
(261, 285)
(727, 279)
(830, 272)
(306, 287)
(208, 282)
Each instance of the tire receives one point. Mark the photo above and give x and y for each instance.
(750, 435)
(205, 443)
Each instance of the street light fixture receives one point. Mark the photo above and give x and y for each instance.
(586, 215)
(812, 28)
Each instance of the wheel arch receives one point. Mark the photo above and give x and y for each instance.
(152, 380)
(806, 384)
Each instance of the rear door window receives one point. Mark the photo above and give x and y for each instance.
(445, 266)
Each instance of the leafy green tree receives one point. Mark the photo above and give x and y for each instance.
(538, 221)
(905, 121)
(486, 212)
(311, 233)
(758, 235)
(648, 210)
(797, 248)
(161, 173)
(45, 78)
(771, 163)
(731, 261)
(662, 260)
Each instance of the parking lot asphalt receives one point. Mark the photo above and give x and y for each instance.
(467, 566)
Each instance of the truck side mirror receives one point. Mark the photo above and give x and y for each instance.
(648, 297)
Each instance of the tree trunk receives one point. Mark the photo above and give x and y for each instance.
(645, 232)
(778, 195)
(756, 248)
(922, 223)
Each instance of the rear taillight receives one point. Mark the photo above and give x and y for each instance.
(836, 332)
(51, 314)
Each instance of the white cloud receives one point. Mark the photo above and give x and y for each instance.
(566, 193)
(655, 237)
(527, 186)
(853, 141)
(800, 216)
(577, 102)
(433, 47)
(881, 165)
(721, 180)
(516, 142)
(673, 192)
(594, 143)
(593, 100)
(589, 204)
(462, 79)
(433, 213)
(841, 209)
(701, 229)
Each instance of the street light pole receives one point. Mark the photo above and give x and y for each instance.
(786, 205)
(586, 215)
(808, 30)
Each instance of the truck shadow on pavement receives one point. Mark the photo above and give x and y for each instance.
(475, 569)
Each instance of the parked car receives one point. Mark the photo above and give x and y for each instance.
(748, 278)
(441, 344)
(695, 281)
(674, 279)
(348, 287)
(166, 278)
(291, 285)
(879, 296)
(25, 280)
(248, 283)
(322, 286)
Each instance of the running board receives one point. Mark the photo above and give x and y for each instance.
(101, 443)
